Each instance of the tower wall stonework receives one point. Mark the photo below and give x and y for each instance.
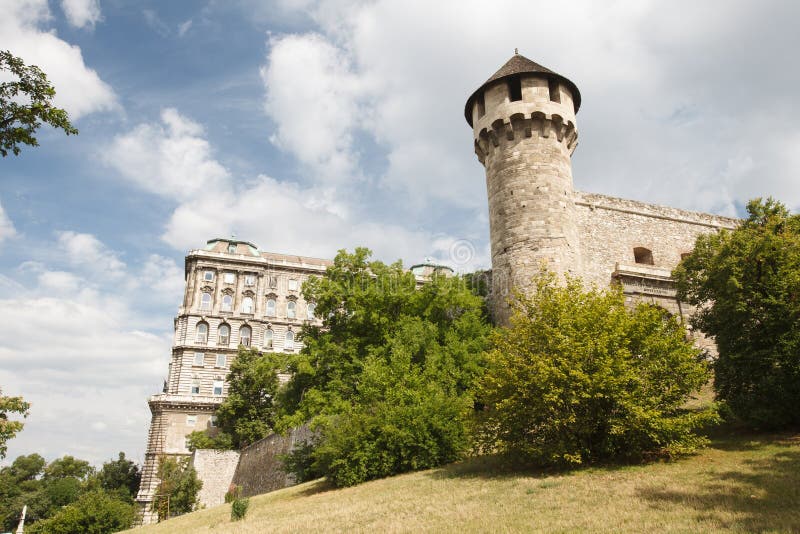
(525, 147)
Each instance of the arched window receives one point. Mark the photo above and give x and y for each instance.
(288, 343)
(205, 301)
(201, 333)
(643, 255)
(268, 334)
(247, 305)
(310, 310)
(245, 333)
(224, 336)
(227, 303)
(291, 309)
(270, 307)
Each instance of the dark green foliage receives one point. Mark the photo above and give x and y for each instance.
(210, 439)
(247, 414)
(239, 508)
(25, 102)
(746, 284)
(579, 378)
(177, 492)
(9, 428)
(94, 512)
(66, 495)
(386, 381)
(121, 477)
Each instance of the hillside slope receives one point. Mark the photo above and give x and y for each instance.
(743, 484)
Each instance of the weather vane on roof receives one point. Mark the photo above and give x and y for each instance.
(516, 51)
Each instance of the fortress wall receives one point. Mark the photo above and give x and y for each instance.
(260, 468)
(215, 469)
(610, 228)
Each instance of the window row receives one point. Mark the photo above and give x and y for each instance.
(249, 308)
(245, 339)
(200, 360)
(216, 386)
(250, 280)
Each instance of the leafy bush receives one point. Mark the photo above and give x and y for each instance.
(580, 378)
(94, 512)
(177, 492)
(386, 382)
(745, 284)
(239, 508)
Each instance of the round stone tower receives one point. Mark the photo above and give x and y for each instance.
(523, 121)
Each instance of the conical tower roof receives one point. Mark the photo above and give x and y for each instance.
(519, 64)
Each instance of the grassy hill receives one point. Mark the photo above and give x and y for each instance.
(747, 483)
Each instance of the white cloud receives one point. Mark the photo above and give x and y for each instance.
(313, 97)
(7, 229)
(670, 96)
(184, 27)
(170, 159)
(79, 89)
(84, 349)
(85, 250)
(82, 13)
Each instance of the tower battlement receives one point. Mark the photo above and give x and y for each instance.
(519, 125)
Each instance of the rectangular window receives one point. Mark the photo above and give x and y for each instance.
(191, 420)
(250, 280)
(186, 443)
(292, 285)
(199, 359)
(514, 89)
(221, 360)
(229, 278)
(208, 276)
(195, 387)
(217, 387)
(273, 281)
(555, 93)
(213, 421)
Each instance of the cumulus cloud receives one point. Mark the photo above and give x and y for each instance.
(82, 13)
(670, 95)
(173, 159)
(79, 89)
(170, 158)
(87, 251)
(7, 229)
(84, 349)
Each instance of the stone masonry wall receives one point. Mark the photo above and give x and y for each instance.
(216, 470)
(610, 228)
(260, 468)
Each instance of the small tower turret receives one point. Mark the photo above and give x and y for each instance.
(523, 121)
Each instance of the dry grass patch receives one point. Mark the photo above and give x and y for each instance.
(747, 484)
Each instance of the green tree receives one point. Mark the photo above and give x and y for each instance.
(177, 492)
(95, 512)
(9, 428)
(386, 381)
(579, 378)
(746, 286)
(120, 477)
(205, 439)
(19, 483)
(26, 102)
(247, 414)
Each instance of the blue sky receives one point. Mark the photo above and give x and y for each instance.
(306, 126)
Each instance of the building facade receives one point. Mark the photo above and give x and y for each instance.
(235, 295)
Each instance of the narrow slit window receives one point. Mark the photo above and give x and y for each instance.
(481, 102)
(555, 92)
(514, 89)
